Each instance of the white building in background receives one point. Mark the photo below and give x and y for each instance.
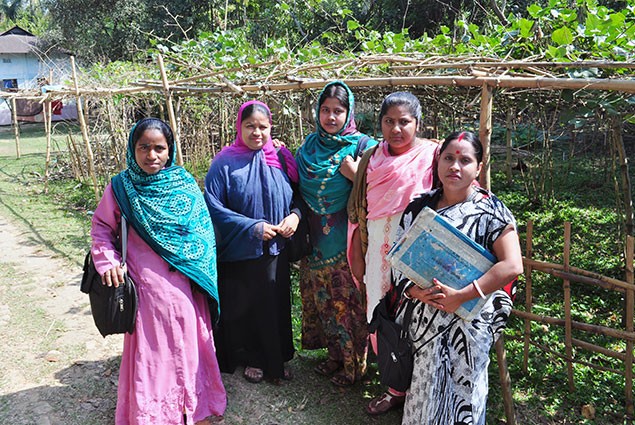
(24, 65)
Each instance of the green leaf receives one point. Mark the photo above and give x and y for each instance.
(534, 10)
(352, 25)
(525, 27)
(562, 36)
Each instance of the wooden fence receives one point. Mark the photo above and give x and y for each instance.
(570, 274)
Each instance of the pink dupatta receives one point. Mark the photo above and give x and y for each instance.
(394, 181)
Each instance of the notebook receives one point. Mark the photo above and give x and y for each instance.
(433, 248)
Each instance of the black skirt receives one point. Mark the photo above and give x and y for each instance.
(255, 321)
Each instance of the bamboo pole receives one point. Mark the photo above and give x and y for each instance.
(544, 83)
(485, 132)
(73, 158)
(16, 127)
(558, 354)
(505, 380)
(529, 252)
(597, 349)
(595, 329)
(508, 146)
(517, 64)
(618, 142)
(171, 115)
(48, 123)
(77, 156)
(82, 126)
(567, 305)
(630, 305)
(547, 267)
(623, 85)
(572, 277)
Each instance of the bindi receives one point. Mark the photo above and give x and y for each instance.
(458, 152)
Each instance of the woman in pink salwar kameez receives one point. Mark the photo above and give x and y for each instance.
(169, 373)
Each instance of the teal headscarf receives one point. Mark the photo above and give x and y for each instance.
(168, 211)
(322, 186)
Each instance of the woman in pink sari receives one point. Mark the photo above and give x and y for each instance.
(389, 176)
(169, 373)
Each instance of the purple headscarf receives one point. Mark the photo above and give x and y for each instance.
(239, 147)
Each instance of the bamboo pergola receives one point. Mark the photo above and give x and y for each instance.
(490, 76)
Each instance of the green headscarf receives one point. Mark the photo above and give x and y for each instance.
(322, 185)
(168, 211)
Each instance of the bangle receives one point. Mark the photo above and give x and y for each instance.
(478, 288)
(405, 292)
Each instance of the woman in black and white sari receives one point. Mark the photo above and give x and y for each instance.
(449, 383)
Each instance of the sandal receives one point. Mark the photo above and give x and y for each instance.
(253, 374)
(342, 381)
(383, 403)
(328, 368)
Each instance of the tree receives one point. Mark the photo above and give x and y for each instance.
(10, 9)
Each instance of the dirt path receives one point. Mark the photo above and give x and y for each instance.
(55, 368)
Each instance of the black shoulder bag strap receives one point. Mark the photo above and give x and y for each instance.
(124, 240)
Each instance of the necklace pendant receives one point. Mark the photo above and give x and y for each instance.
(326, 229)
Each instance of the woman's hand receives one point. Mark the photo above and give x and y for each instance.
(113, 276)
(348, 167)
(431, 295)
(440, 296)
(269, 231)
(289, 225)
(277, 143)
(356, 258)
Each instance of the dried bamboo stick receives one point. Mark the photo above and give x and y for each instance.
(564, 357)
(16, 127)
(82, 126)
(485, 133)
(529, 252)
(546, 267)
(168, 98)
(522, 64)
(505, 380)
(597, 349)
(630, 306)
(624, 85)
(567, 305)
(572, 277)
(230, 84)
(72, 159)
(48, 123)
(596, 329)
(77, 157)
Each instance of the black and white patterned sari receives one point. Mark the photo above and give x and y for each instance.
(449, 383)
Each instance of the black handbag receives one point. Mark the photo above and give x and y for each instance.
(114, 310)
(299, 244)
(395, 358)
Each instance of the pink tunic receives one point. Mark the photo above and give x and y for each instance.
(168, 367)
